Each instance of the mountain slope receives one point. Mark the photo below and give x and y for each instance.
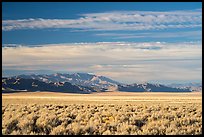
(80, 83)
(21, 84)
(83, 79)
(147, 87)
(194, 86)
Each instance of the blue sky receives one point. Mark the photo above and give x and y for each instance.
(71, 10)
(146, 29)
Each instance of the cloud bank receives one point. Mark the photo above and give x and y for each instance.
(123, 61)
(115, 20)
(183, 34)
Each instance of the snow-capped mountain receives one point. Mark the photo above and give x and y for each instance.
(32, 85)
(147, 87)
(194, 86)
(82, 79)
(81, 83)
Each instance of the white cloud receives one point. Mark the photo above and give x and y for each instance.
(122, 61)
(186, 34)
(115, 20)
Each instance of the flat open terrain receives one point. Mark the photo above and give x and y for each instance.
(102, 113)
(103, 97)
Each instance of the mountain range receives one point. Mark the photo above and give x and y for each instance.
(79, 83)
(83, 79)
(193, 86)
(148, 87)
(21, 84)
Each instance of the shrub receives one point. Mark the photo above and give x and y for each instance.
(105, 119)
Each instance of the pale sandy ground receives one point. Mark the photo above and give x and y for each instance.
(103, 97)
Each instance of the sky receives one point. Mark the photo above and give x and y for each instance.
(126, 41)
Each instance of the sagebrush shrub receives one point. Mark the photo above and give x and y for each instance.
(102, 119)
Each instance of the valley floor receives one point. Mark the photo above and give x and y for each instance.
(101, 97)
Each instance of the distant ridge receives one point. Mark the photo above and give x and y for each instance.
(79, 83)
(21, 84)
(147, 87)
(83, 79)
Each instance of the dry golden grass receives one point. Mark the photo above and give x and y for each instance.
(102, 113)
